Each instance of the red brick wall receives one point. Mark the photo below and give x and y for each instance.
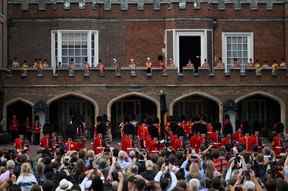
(139, 34)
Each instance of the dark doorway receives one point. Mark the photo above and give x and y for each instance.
(71, 108)
(260, 112)
(193, 106)
(189, 51)
(131, 107)
(22, 111)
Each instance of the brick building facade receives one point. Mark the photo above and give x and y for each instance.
(100, 30)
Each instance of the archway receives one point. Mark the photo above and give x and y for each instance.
(22, 109)
(195, 104)
(259, 111)
(136, 107)
(72, 108)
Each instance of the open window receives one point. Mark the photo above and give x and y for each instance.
(192, 46)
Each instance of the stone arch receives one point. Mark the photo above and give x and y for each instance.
(142, 95)
(10, 102)
(53, 104)
(269, 95)
(202, 94)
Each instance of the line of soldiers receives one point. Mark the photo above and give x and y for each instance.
(188, 134)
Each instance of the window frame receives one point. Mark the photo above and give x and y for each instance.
(250, 45)
(56, 56)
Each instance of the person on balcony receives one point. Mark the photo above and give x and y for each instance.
(117, 66)
(148, 66)
(132, 66)
(101, 67)
(86, 66)
(162, 64)
(15, 63)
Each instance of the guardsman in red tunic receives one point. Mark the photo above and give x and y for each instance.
(226, 140)
(213, 137)
(248, 142)
(277, 144)
(187, 126)
(71, 145)
(19, 143)
(196, 141)
(151, 144)
(126, 142)
(253, 141)
(14, 126)
(237, 135)
(44, 142)
(142, 133)
(97, 144)
(176, 142)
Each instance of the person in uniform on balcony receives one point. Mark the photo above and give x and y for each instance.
(148, 65)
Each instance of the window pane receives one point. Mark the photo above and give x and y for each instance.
(74, 45)
(77, 52)
(64, 52)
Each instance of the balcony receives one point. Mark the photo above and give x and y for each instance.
(16, 78)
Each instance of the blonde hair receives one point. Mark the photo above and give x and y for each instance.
(90, 154)
(209, 171)
(194, 170)
(26, 169)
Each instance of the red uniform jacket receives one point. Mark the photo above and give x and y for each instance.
(44, 142)
(72, 146)
(19, 144)
(176, 143)
(213, 137)
(126, 142)
(151, 144)
(248, 142)
(187, 126)
(225, 141)
(237, 136)
(196, 141)
(97, 145)
(142, 132)
(277, 144)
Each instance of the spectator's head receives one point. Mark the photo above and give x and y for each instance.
(194, 184)
(10, 165)
(26, 169)
(140, 185)
(149, 165)
(165, 181)
(36, 187)
(249, 186)
(48, 185)
(194, 170)
(97, 184)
